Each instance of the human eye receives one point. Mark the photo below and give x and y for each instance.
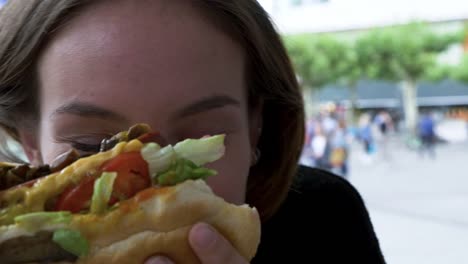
(85, 144)
(85, 148)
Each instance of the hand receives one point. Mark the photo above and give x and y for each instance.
(210, 247)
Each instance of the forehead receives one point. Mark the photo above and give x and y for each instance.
(117, 52)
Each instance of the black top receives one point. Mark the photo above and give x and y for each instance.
(323, 220)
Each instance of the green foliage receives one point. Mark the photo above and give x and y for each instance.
(457, 72)
(402, 53)
(437, 73)
(460, 72)
(352, 67)
(318, 60)
(396, 53)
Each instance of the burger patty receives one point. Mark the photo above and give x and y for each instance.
(34, 249)
(15, 174)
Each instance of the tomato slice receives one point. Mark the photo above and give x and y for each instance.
(132, 177)
(76, 198)
(153, 137)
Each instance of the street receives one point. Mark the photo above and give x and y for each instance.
(419, 206)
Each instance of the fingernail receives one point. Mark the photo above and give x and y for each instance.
(159, 260)
(203, 235)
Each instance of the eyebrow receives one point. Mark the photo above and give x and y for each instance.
(87, 110)
(206, 104)
(92, 111)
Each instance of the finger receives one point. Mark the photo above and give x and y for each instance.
(211, 247)
(158, 260)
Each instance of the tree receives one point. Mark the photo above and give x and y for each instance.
(317, 59)
(439, 72)
(403, 54)
(351, 73)
(460, 72)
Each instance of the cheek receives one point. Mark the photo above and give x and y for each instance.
(233, 170)
(48, 148)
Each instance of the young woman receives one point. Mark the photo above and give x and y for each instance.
(76, 71)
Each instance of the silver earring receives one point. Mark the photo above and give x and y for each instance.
(256, 156)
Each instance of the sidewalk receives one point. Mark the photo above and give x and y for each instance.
(419, 207)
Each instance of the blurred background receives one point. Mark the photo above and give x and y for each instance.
(386, 88)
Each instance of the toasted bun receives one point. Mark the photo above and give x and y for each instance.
(157, 221)
(25, 199)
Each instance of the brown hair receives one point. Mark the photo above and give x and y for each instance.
(25, 26)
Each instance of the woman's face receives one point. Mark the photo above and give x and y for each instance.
(158, 62)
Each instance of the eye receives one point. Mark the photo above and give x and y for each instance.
(85, 148)
(85, 145)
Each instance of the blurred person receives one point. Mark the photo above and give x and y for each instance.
(339, 145)
(319, 145)
(384, 122)
(366, 136)
(329, 123)
(76, 71)
(426, 134)
(384, 125)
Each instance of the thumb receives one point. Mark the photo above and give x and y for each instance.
(211, 247)
(158, 260)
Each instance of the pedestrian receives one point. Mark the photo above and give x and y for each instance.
(319, 145)
(339, 154)
(426, 135)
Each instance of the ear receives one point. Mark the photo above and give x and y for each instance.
(29, 141)
(255, 124)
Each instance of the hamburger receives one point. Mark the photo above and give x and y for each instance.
(136, 198)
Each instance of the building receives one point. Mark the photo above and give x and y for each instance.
(375, 94)
(347, 19)
(317, 16)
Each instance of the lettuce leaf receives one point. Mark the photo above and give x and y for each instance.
(182, 170)
(72, 241)
(173, 164)
(102, 192)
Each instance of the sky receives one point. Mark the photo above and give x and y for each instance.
(349, 14)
